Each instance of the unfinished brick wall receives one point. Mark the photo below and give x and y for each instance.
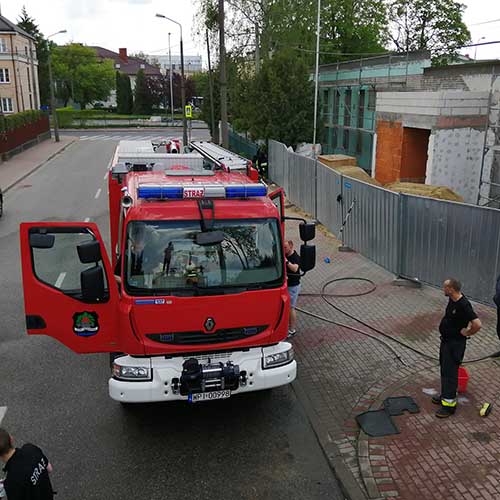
(389, 151)
(401, 153)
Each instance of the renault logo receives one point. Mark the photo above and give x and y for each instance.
(209, 324)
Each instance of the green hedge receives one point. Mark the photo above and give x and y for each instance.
(65, 116)
(18, 120)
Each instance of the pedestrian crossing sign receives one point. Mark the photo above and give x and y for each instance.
(189, 111)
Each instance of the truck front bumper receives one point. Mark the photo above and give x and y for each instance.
(166, 370)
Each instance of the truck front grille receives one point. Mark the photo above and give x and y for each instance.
(200, 337)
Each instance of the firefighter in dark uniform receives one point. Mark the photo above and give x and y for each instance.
(459, 323)
(27, 471)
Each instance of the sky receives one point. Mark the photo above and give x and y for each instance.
(132, 23)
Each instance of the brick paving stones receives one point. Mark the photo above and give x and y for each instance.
(345, 373)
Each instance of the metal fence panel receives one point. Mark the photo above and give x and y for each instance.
(373, 227)
(301, 175)
(278, 164)
(443, 239)
(329, 188)
(241, 145)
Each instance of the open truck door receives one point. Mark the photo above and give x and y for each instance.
(69, 289)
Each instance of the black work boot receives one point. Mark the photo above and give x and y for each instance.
(445, 411)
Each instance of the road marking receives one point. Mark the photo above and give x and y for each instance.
(98, 193)
(84, 137)
(3, 411)
(87, 219)
(60, 280)
(106, 176)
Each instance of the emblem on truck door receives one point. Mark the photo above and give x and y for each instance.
(209, 324)
(85, 324)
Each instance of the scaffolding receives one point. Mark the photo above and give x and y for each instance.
(491, 148)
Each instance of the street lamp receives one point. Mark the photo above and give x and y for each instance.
(183, 88)
(52, 96)
(475, 51)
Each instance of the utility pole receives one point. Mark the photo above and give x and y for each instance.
(223, 79)
(215, 131)
(171, 81)
(51, 83)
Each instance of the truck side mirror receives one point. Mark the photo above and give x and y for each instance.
(92, 284)
(39, 240)
(307, 257)
(307, 231)
(89, 252)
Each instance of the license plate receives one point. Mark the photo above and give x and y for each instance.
(209, 396)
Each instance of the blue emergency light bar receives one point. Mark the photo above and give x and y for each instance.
(159, 192)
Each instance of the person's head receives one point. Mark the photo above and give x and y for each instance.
(452, 287)
(6, 446)
(288, 247)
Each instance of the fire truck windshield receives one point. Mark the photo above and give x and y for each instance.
(162, 257)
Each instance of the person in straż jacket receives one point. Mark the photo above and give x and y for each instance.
(458, 324)
(293, 280)
(27, 470)
(496, 300)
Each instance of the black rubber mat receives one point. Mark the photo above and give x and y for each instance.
(377, 423)
(398, 405)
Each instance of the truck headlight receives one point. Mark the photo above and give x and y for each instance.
(278, 359)
(131, 372)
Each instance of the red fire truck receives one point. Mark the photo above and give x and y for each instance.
(193, 304)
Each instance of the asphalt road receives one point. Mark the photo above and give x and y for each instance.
(254, 446)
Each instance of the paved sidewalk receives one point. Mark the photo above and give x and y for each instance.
(19, 166)
(343, 373)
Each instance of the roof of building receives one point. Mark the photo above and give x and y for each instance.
(10, 27)
(378, 60)
(130, 65)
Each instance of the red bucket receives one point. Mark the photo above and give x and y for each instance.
(463, 379)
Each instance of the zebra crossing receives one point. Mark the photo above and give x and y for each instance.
(125, 137)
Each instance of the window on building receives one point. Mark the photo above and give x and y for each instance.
(371, 100)
(29, 79)
(336, 107)
(4, 75)
(361, 109)
(3, 45)
(117, 66)
(345, 140)
(7, 105)
(347, 107)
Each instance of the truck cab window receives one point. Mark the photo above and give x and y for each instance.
(60, 266)
(163, 257)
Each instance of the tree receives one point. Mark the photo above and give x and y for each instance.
(278, 104)
(142, 97)
(434, 25)
(80, 74)
(28, 24)
(347, 27)
(124, 97)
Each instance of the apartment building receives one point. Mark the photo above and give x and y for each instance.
(18, 69)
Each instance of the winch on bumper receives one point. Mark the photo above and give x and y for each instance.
(140, 380)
